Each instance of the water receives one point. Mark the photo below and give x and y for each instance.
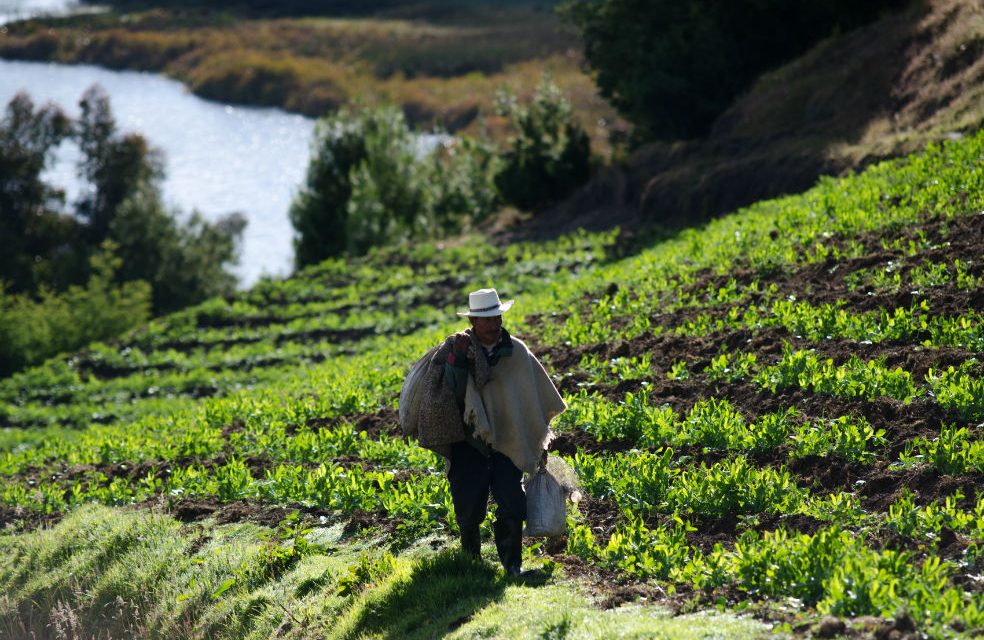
(219, 159)
(11, 10)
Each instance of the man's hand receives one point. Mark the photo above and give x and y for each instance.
(463, 345)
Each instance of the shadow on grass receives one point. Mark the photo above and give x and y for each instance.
(441, 593)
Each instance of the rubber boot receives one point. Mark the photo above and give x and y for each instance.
(509, 545)
(471, 541)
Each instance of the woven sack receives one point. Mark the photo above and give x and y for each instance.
(412, 393)
(428, 410)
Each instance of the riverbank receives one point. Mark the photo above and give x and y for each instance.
(443, 70)
(218, 160)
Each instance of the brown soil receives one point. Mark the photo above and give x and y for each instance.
(877, 485)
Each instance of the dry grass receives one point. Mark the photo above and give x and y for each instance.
(884, 91)
(443, 69)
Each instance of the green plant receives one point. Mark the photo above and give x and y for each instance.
(365, 572)
(34, 330)
(852, 438)
(674, 90)
(549, 155)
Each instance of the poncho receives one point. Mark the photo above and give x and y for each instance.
(512, 410)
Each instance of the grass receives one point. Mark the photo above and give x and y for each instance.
(100, 570)
(442, 68)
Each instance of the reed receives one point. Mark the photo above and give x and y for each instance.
(442, 68)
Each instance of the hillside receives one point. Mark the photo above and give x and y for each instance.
(878, 92)
(881, 91)
(775, 418)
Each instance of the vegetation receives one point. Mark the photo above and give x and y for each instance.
(369, 182)
(673, 68)
(759, 424)
(549, 155)
(32, 330)
(440, 65)
(88, 271)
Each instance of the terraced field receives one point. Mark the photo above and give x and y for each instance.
(776, 420)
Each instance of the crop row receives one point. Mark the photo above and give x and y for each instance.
(730, 310)
(716, 425)
(833, 570)
(959, 388)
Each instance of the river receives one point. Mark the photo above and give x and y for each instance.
(219, 158)
(11, 10)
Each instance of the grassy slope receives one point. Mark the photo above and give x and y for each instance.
(878, 92)
(240, 411)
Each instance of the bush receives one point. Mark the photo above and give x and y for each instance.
(462, 190)
(32, 330)
(673, 67)
(549, 156)
(184, 263)
(368, 184)
(28, 229)
(45, 247)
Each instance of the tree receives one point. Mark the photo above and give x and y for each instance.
(45, 247)
(29, 230)
(549, 156)
(184, 263)
(369, 184)
(672, 67)
(116, 166)
(363, 185)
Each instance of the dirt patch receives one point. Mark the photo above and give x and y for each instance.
(940, 240)
(198, 509)
(383, 421)
(192, 510)
(16, 519)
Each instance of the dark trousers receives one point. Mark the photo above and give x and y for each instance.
(473, 475)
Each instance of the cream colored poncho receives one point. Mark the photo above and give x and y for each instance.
(513, 409)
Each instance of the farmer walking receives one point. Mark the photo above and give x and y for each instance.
(485, 405)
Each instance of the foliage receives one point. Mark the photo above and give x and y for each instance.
(114, 165)
(549, 156)
(672, 68)
(28, 229)
(737, 481)
(33, 330)
(184, 262)
(369, 183)
(50, 253)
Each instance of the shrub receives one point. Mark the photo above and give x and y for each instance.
(368, 184)
(673, 67)
(32, 330)
(185, 263)
(550, 154)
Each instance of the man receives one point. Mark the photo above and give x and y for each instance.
(507, 401)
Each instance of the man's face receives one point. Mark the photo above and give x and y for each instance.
(487, 329)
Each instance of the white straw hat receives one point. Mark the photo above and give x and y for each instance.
(485, 303)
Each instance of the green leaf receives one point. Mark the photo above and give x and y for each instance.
(225, 586)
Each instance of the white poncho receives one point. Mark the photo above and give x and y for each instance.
(513, 409)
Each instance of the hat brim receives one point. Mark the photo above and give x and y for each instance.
(497, 311)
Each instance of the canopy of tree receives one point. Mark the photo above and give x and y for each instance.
(75, 262)
(673, 67)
